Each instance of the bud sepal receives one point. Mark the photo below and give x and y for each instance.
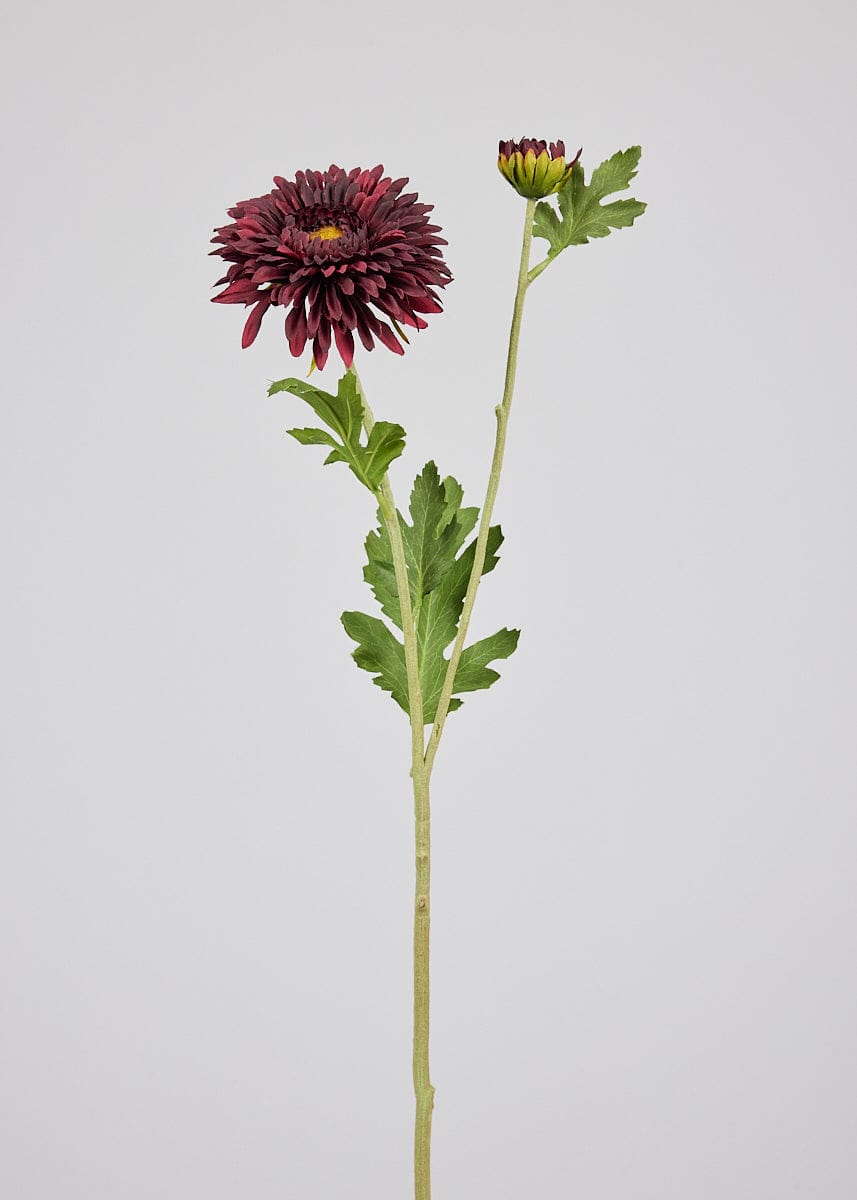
(534, 168)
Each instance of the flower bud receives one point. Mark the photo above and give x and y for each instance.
(533, 168)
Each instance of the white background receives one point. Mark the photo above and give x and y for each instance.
(644, 835)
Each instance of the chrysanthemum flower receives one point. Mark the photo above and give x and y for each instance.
(334, 247)
(534, 169)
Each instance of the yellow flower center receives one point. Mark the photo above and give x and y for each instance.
(327, 232)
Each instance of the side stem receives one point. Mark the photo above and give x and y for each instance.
(423, 1090)
(502, 414)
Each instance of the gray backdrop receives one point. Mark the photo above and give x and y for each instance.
(644, 905)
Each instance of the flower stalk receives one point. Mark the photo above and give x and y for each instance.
(423, 1090)
(422, 757)
(502, 413)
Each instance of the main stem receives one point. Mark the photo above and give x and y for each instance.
(422, 757)
(423, 1090)
(502, 414)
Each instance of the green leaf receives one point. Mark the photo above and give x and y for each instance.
(473, 671)
(437, 620)
(439, 526)
(380, 574)
(313, 437)
(343, 414)
(438, 574)
(386, 442)
(379, 653)
(547, 225)
(582, 215)
(615, 173)
(438, 529)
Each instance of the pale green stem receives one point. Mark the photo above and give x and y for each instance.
(423, 1090)
(538, 268)
(390, 517)
(502, 414)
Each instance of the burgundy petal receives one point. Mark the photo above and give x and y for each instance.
(296, 330)
(334, 247)
(253, 323)
(243, 291)
(319, 354)
(344, 344)
(389, 339)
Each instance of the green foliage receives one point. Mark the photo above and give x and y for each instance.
(473, 671)
(581, 214)
(438, 574)
(380, 652)
(343, 413)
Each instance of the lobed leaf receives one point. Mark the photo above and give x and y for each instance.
(343, 414)
(473, 671)
(438, 574)
(547, 225)
(313, 437)
(379, 653)
(386, 442)
(581, 214)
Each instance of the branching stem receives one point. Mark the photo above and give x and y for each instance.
(422, 757)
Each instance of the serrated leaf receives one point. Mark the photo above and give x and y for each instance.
(343, 414)
(437, 621)
(438, 574)
(438, 528)
(568, 196)
(437, 531)
(618, 215)
(615, 173)
(380, 574)
(473, 672)
(582, 215)
(453, 494)
(547, 225)
(312, 437)
(379, 653)
(386, 442)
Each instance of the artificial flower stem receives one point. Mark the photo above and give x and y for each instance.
(390, 516)
(538, 268)
(502, 414)
(423, 1090)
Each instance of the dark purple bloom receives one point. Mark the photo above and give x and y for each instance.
(335, 249)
